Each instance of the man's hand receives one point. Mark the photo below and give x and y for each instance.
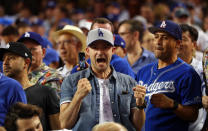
(162, 101)
(205, 102)
(86, 65)
(139, 94)
(83, 88)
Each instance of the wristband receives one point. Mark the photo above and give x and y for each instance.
(143, 105)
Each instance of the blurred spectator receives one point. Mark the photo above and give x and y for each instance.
(109, 126)
(10, 34)
(37, 26)
(22, 25)
(161, 12)
(85, 25)
(23, 117)
(60, 13)
(71, 40)
(186, 53)
(146, 11)
(120, 46)
(132, 32)
(205, 24)
(11, 92)
(77, 15)
(16, 61)
(182, 16)
(51, 58)
(148, 41)
(99, 8)
(39, 72)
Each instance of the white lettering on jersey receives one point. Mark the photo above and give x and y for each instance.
(158, 87)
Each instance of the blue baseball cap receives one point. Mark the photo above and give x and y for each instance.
(51, 56)
(33, 36)
(119, 41)
(169, 27)
(37, 21)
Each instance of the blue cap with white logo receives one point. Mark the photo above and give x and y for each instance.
(33, 36)
(119, 41)
(169, 27)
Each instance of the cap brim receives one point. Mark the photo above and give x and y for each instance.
(79, 35)
(101, 40)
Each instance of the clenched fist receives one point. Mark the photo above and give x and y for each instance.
(161, 101)
(83, 88)
(139, 94)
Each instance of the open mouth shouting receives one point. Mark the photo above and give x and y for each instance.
(101, 60)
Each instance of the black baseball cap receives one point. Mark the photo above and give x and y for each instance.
(17, 48)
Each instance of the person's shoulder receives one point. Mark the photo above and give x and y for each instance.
(186, 68)
(9, 82)
(147, 67)
(117, 60)
(52, 74)
(78, 75)
(124, 77)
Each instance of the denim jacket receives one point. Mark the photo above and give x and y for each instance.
(121, 98)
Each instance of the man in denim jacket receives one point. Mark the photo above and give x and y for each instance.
(100, 94)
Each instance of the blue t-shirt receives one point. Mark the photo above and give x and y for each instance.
(147, 57)
(178, 81)
(10, 93)
(120, 65)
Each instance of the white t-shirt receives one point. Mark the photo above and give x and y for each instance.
(106, 114)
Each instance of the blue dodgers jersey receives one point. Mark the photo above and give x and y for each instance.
(119, 64)
(10, 93)
(178, 81)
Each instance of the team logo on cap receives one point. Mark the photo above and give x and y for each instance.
(163, 24)
(122, 43)
(26, 54)
(100, 33)
(27, 34)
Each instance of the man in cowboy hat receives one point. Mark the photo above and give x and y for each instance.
(71, 40)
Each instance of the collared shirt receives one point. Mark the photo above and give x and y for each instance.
(121, 98)
(147, 57)
(46, 76)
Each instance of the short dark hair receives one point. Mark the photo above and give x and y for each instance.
(102, 20)
(193, 32)
(22, 111)
(135, 25)
(10, 30)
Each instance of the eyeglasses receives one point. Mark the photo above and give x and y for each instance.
(123, 33)
(66, 42)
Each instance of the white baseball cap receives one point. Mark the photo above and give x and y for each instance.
(100, 34)
(85, 24)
